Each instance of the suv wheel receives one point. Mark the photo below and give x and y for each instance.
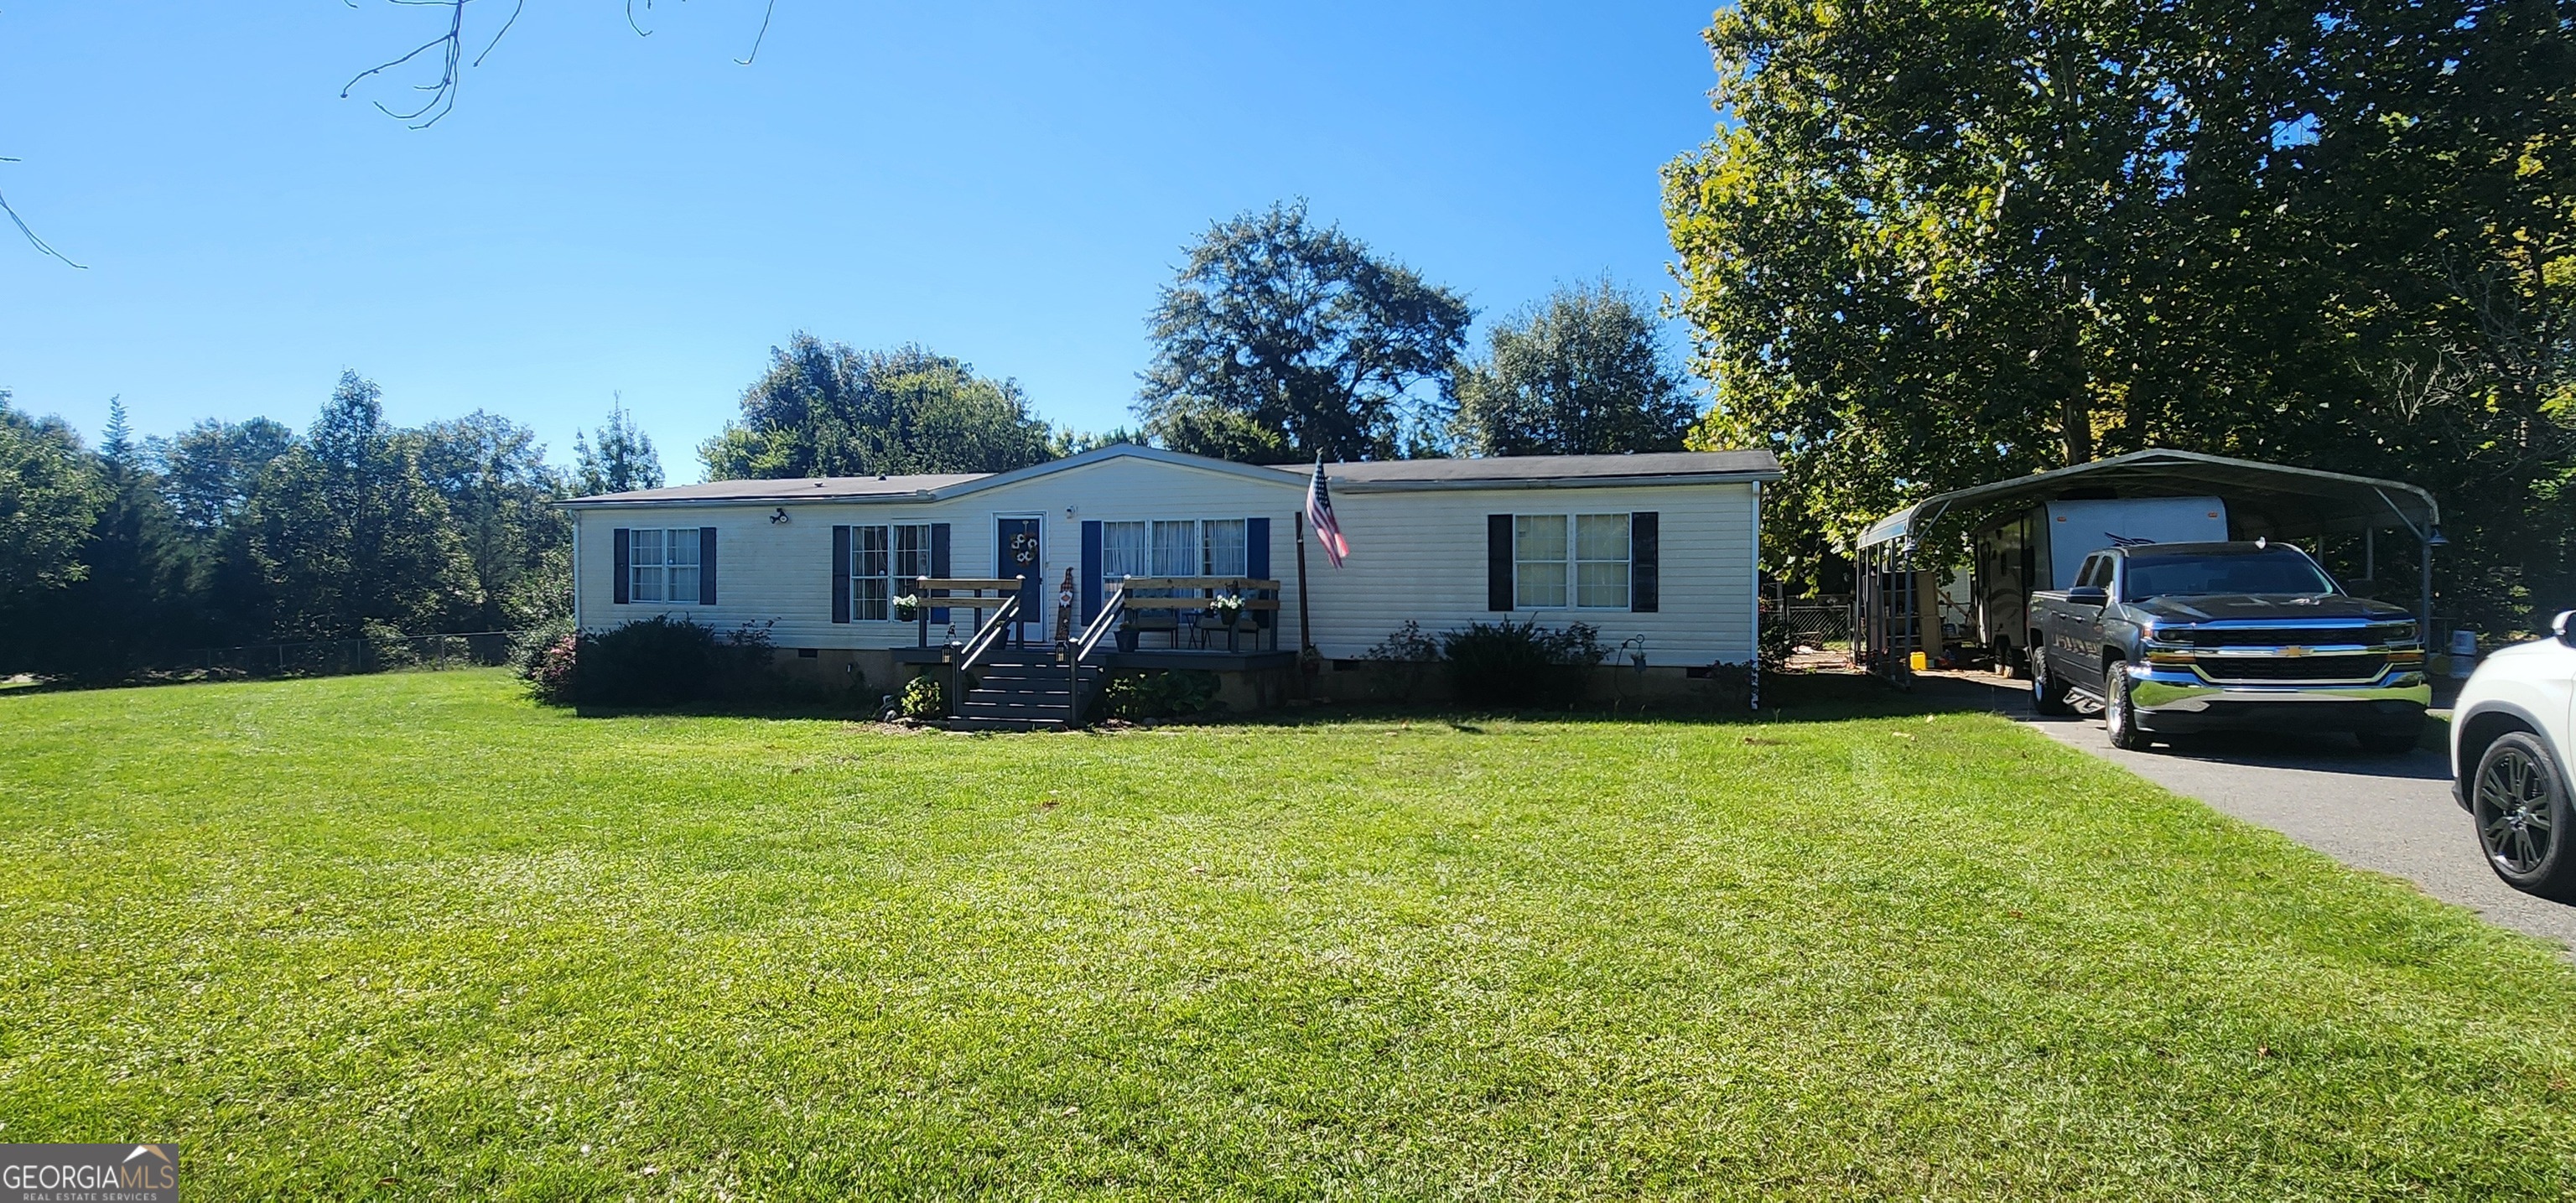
(2119, 717)
(2519, 803)
(2047, 695)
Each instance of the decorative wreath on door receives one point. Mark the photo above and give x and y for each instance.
(1024, 548)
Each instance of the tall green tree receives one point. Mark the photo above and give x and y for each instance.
(1939, 243)
(492, 474)
(616, 458)
(208, 470)
(128, 604)
(344, 528)
(1581, 373)
(1282, 339)
(51, 493)
(825, 409)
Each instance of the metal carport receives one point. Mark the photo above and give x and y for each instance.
(2263, 500)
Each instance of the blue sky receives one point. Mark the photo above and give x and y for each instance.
(1007, 183)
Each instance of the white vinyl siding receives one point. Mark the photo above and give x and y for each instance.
(1417, 555)
(662, 565)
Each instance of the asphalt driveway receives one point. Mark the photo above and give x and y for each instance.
(2389, 815)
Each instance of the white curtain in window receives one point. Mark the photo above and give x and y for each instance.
(870, 558)
(1601, 560)
(1176, 549)
(911, 555)
(1538, 561)
(1224, 546)
(1122, 550)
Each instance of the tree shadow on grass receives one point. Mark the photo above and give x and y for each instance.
(1786, 698)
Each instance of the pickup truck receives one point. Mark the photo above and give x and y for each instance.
(2181, 638)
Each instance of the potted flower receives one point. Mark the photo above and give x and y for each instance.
(906, 607)
(1226, 606)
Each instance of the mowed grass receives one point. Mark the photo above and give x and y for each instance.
(413, 936)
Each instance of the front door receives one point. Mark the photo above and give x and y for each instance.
(1021, 552)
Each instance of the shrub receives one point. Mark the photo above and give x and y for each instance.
(1154, 693)
(923, 698)
(659, 661)
(386, 645)
(1408, 654)
(1512, 665)
(1776, 640)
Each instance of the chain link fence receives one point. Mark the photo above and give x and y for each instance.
(1824, 618)
(344, 657)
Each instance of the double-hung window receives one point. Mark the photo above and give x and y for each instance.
(1176, 549)
(1578, 560)
(1601, 561)
(662, 565)
(1221, 542)
(884, 563)
(1173, 547)
(1122, 553)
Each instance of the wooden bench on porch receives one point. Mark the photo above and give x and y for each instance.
(1192, 613)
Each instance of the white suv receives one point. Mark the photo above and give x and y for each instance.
(2509, 745)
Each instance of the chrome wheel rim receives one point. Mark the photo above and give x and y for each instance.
(2512, 810)
(2115, 701)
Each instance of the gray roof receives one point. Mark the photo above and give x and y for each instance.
(1553, 469)
(1535, 471)
(794, 488)
(2293, 502)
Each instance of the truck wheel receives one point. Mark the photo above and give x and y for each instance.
(2394, 740)
(2519, 803)
(2047, 695)
(2119, 716)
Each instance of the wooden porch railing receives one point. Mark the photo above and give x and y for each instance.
(1111, 610)
(959, 593)
(1208, 588)
(987, 637)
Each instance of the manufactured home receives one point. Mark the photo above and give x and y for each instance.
(1133, 547)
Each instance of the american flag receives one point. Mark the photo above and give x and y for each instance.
(1319, 514)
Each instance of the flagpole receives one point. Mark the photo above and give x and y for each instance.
(1305, 636)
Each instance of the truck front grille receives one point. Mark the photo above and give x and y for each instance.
(2383, 633)
(2269, 669)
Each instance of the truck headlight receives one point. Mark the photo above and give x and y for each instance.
(2160, 656)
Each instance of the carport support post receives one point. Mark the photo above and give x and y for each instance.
(2425, 623)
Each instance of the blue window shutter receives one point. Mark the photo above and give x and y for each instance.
(1645, 562)
(625, 573)
(706, 565)
(840, 574)
(1090, 572)
(939, 565)
(1498, 562)
(1256, 561)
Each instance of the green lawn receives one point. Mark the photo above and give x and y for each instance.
(411, 935)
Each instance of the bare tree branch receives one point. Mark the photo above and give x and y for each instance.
(762, 36)
(451, 55)
(39, 243)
